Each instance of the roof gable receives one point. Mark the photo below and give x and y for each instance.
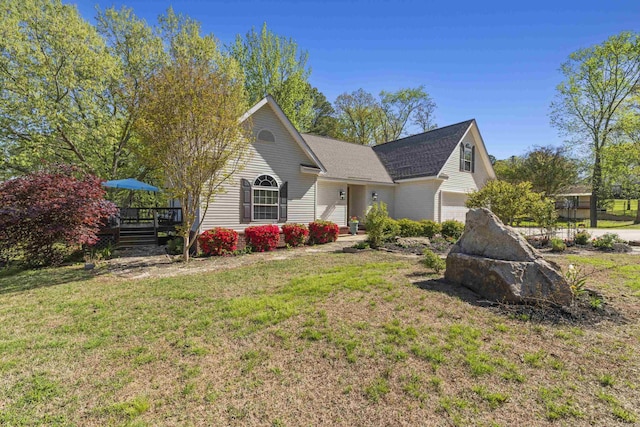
(421, 155)
(268, 100)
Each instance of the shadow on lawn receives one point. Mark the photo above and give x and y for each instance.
(453, 290)
(19, 280)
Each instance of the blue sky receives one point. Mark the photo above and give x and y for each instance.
(495, 61)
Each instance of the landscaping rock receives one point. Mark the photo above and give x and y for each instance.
(486, 236)
(498, 263)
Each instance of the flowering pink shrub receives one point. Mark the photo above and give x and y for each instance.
(218, 241)
(42, 212)
(261, 238)
(323, 232)
(295, 234)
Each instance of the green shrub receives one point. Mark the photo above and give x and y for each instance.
(606, 241)
(375, 221)
(175, 246)
(452, 228)
(410, 228)
(391, 229)
(379, 226)
(430, 228)
(558, 245)
(582, 237)
(433, 261)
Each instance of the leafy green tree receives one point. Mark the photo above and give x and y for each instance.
(509, 170)
(190, 129)
(54, 67)
(621, 171)
(359, 115)
(324, 122)
(273, 65)
(512, 202)
(599, 83)
(549, 169)
(368, 120)
(139, 53)
(401, 106)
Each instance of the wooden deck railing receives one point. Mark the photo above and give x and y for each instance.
(160, 217)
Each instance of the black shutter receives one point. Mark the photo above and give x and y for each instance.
(461, 157)
(473, 159)
(245, 202)
(283, 202)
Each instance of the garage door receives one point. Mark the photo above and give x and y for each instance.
(453, 206)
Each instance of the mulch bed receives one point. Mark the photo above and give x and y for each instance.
(580, 313)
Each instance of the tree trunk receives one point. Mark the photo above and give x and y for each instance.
(637, 221)
(596, 182)
(186, 247)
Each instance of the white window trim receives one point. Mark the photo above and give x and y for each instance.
(275, 189)
(467, 148)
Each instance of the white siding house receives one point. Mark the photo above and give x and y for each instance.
(291, 177)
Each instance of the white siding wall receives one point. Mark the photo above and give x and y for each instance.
(415, 200)
(459, 181)
(386, 194)
(280, 159)
(330, 207)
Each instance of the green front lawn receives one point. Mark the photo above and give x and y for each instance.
(324, 339)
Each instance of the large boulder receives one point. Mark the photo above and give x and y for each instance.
(495, 261)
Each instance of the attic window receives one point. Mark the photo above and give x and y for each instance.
(467, 157)
(266, 136)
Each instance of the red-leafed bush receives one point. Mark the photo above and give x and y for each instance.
(43, 212)
(323, 232)
(218, 241)
(295, 234)
(262, 238)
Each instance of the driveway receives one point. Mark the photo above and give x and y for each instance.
(625, 234)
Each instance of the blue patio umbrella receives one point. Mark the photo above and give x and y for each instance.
(130, 184)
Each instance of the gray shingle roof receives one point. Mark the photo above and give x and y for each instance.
(420, 155)
(348, 161)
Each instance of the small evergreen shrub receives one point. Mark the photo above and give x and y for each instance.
(582, 237)
(433, 261)
(376, 221)
(218, 241)
(410, 228)
(295, 234)
(452, 228)
(606, 241)
(262, 238)
(558, 245)
(429, 228)
(323, 232)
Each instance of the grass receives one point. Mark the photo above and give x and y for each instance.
(320, 339)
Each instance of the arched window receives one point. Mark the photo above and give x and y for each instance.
(265, 198)
(467, 154)
(266, 136)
